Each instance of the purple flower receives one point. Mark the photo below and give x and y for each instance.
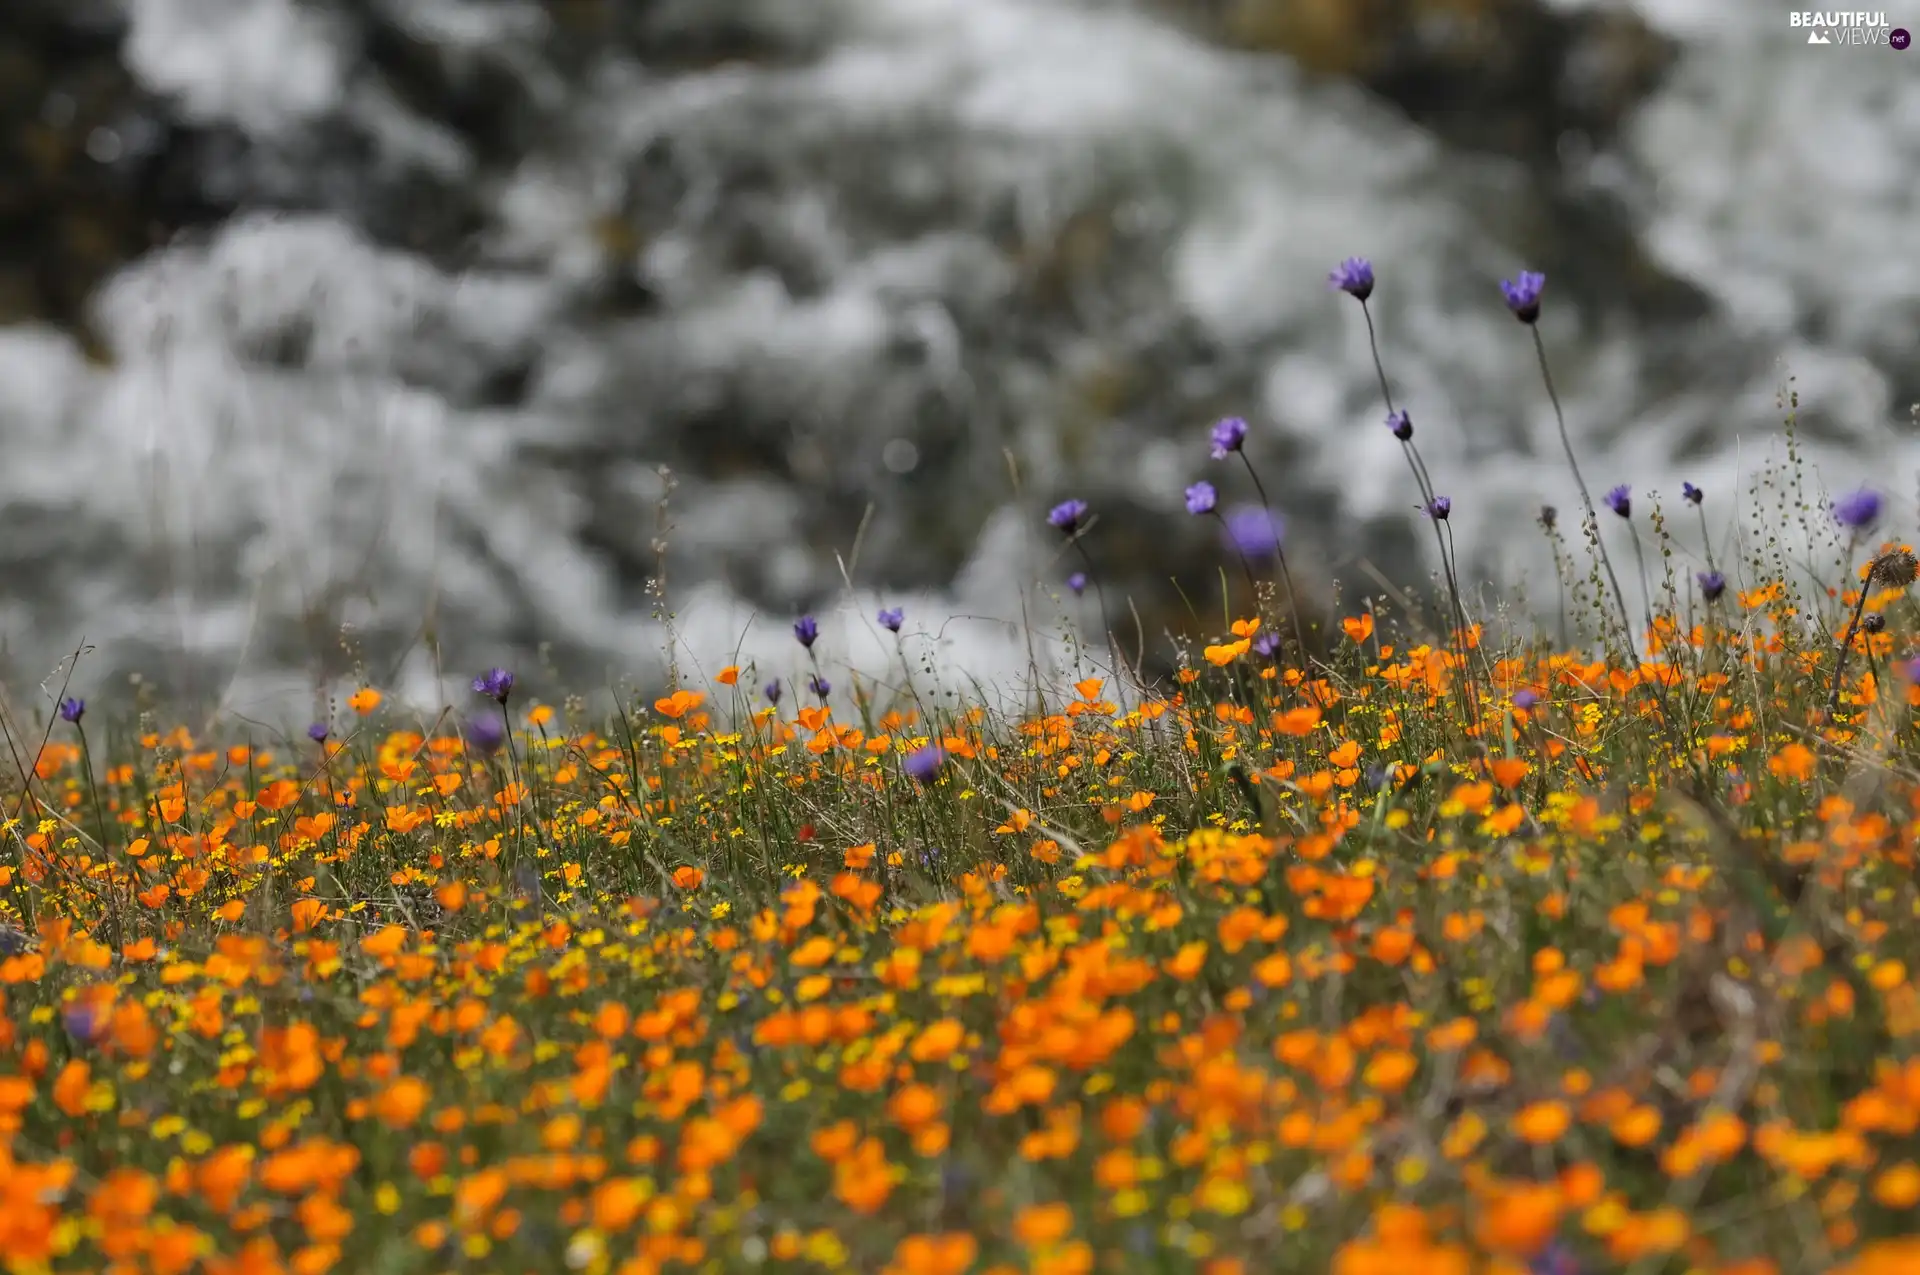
(72, 709)
(1267, 645)
(1353, 276)
(773, 691)
(1201, 498)
(1620, 500)
(891, 618)
(806, 630)
(819, 685)
(923, 764)
(1910, 669)
(1439, 507)
(1229, 435)
(1253, 532)
(318, 732)
(1401, 424)
(1858, 511)
(1523, 295)
(495, 683)
(84, 1021)
(1524, 699)
(1067, 514)
(1712, 585)
(1555, 1259)
(1693, 495)
(486, 735)
(1077, 582)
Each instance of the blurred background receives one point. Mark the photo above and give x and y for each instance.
(393, 338)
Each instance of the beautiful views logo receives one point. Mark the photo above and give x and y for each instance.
(1842, 27)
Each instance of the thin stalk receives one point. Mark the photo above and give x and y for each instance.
(1424, 481)
(1280, 554)
(1586, 498)
(106, 845)
(1846, 647)
(1100, 598)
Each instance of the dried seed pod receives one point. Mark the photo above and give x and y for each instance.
(1895, 570)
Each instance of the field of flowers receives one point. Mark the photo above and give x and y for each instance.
(1372, 946)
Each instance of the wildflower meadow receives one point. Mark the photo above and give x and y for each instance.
(1398, 938)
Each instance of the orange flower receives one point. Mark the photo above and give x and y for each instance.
(401, 1102)
(1187, 962)
(71, 1086)
(1358, 627)
(950, 1254)
(937, 1041)
(1222, 655)
(364, 700)
(1795, 761)
(1389, 1071)
(279, 794)
(1509, 771)
(386, 941)
(1297, 721)
(1542, 1122)
(1043, 1224)
(1520, 1218)
(914, 1106)
(815, 951)
(863, 1179)
(678, 704)
(617, 1202)
(1898, 1186)
(1636, 1126)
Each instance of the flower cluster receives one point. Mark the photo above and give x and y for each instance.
(1389, 951)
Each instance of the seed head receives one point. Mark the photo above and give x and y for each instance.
(1895, 570)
